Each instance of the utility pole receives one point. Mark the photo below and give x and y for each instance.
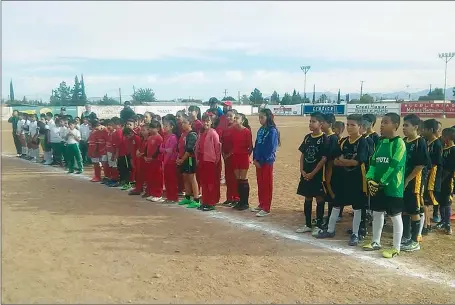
(120, 95)
(361, 88)
(225, 92)
(446, 57)
(305, 70)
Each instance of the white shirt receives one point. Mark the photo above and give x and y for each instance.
(63, 132)
(19, 124)
(32, 127)
(25, 126)
(73, 134)
(85, 131)
(55, 136)
(50, 124)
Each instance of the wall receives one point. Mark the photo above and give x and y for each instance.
(378, 109)
(429, 109)
(285, 109)
(71, 110)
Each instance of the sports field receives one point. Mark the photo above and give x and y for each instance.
(67, 240)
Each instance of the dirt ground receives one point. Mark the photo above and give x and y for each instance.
(66, 240)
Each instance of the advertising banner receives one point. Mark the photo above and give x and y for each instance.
(285, 109)
(429, 109)
(71, 110)
(335, 109)
(378, 109)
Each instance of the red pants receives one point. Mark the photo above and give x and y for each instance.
(140, 174)
(134, 161)
(210, 182)
(171, 181)
(264, 177)
(154, 177)
(232, 193)
(219, 169)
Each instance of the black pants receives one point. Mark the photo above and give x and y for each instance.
(17, 143)
(124, 168)
(84, 148)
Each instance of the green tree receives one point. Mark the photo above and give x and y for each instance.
(143, 95)
(228, 98)
(287, 99)
(107, 101)
(24, 100)
(61, 96)
(296, 98)
(244, 99)
(84, 96)
(366, 99)
(339, 97)
(11, 91)
(213, 100)
(436, 94)
(256, 97)
(275, 98)
(323, 98)
(76, 98)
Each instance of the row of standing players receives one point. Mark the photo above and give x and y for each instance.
(378, 175)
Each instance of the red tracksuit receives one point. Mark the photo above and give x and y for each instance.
(101, 139)
(264, 177)
(232, 193)
(179, 174)
(141, 168)
(134, 142)
(210, 180)
(154, 167)
(242, 148)
(169, 150)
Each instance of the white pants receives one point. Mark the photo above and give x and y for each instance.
(109, 161)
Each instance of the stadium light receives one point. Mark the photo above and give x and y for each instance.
(305, 70)
(446, 57)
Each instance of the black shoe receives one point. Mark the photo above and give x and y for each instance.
(241, 207)
(201, 207)
(226, 203)
(207, 208)
(425, 231)
(354, 240)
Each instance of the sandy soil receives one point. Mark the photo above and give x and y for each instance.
(65, 240)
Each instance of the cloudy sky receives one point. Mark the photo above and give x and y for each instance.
(199, 49)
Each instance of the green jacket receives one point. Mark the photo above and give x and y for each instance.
(387, 166)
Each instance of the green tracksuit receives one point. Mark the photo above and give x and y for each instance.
(387, 166)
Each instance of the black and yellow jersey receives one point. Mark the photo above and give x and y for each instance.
(435, 171)
(416, 155)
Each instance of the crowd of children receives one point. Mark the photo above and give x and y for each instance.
(378, 176)
(181, 156)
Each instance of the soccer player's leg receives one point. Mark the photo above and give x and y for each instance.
(394, 208)
(411, 221)
(378, 206)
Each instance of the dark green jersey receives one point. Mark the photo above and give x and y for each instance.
(387, 166)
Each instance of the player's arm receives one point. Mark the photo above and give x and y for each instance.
(190, 146)
(320, 165)
(421, 160)
(302, 148)
(397, 157)
(449, 166)
(372, 170)
(436, 161)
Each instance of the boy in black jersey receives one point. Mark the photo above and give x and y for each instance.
(371, 118)
(312, 161)
(338, 129)
(448, 155)
(332, 146)
(433, 186)
(416, 161)
(436, 217)
(349, 174)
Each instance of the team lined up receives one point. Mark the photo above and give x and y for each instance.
(380, 174)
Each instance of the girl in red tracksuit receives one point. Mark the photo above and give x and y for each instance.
(154, 164)
(232, 196)
(93, 152)
(111, 167)
(208, 152)
(133, 144)
(169, 150)
(241, 151)
(101, 138)
(195, 118)
(141, 171)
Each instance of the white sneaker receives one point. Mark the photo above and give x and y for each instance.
(170, 202)
(303, 229)
(262, 213)
(256, 209)
(154, 199)
(160, 200)
(316, 231)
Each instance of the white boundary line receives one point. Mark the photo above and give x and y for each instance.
(369, 257)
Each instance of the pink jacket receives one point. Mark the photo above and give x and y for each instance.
(169, 148)
(212, 147)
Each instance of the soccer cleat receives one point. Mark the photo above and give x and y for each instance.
(207, 208)
(436, 219)
(255, 210)
(354, 240)
(241, 207)
(303, 229)
(371, 246)
(233, 204)
(410, 246)
(154, 199)
(125, 187)
(160, 200)
(227, 203)
(389, 253)
(184, 201)
(325, 234)
(439, 226)
(316, 231)
(193, 205)
(405, 241)
(262, 213)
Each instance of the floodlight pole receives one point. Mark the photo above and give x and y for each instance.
(305, 70)
(446, 57)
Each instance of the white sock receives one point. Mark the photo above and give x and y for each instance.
(422, 222)
(397, 231)
(26, 150)
(356, 222)
(333, 220)
(378, 223)
(23, 150)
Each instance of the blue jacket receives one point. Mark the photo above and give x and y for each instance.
(265, 146)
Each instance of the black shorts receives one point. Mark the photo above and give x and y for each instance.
(412, 202)
(382, 203)
(431, 199)
(311, 188)
(347, 197)
(188, 166)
